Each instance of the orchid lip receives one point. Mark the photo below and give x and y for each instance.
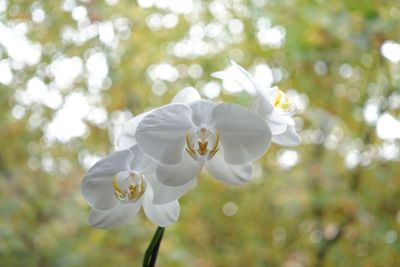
(128, 188)
(201, 143)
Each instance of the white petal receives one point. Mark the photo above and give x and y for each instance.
(244, 135)
(141, 162)
(261, 106)
(163, 193)
(290, 121)
(288, 138)
(264, 106)
(202, 112)
(162, 215)
(232, 75)
(245, 75)
(179, 174)
(120, 214)
(229, 174)
(276, 122)
(239, 76)
(161, 134)
(126, 138)
(186, 96)
(96, 185)
(271, 93)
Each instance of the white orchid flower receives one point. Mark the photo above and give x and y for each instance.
(273, 105)
(191, 133)
(117, 186)
(126, 138)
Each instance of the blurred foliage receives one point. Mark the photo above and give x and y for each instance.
(335, 204)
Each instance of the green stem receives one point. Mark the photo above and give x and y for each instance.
(150, 256)
(155, 251)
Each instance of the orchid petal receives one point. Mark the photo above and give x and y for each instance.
(202, 112)
(271, 93)
(162, 215)
(120, 214)
(186, 96)
(141, 162)
(230, 74)
(179, 174)
(264, 105)
(126, 138)
(161, 134)
(277, 122)
(244, 135)
(288, 138)
(238, 76)
(96, 185)
(290, 121)
(163, 193)
(229, 174)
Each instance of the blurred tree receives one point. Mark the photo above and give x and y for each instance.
(72, 72)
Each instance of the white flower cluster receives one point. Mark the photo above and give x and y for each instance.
(161, 152)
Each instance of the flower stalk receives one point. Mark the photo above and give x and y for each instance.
(150, 256)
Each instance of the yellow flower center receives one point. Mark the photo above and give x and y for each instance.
(128, 188)
(283, 103)
(202, 144)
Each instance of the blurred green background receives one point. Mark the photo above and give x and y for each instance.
(72, 72)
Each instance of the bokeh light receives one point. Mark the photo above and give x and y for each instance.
(72, 72)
